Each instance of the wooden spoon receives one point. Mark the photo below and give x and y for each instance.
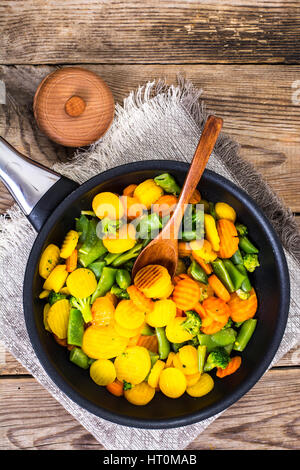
(163, 249)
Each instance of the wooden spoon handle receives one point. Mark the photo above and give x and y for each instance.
(203, 151)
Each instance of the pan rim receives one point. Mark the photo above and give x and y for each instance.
(211, 410)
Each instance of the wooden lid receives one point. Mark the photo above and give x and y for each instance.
(73, 106)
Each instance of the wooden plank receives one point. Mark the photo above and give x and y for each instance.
(265, 418)
(151, 31)
(258, 104)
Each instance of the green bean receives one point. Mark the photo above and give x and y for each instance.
(245, 334)
(237, 257)
(123, 278)
(247, 246)
(201, 354)
(246, 284)
(205, 340)
(168, 183)
(235, 275)
(222, 273)
(164, 346)
(147, 330)
(78, 357)
(127, 255)
(197, 272)
(105, 282)
(97, 267)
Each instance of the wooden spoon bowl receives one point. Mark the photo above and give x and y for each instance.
(163, 249)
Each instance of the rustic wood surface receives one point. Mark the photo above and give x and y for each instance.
(245, 57)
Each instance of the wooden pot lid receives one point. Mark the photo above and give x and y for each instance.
(73, 106)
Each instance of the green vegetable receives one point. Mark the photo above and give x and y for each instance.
(168, 183)
(228, 348)
(242, 229)
(192, 324)
(110, 257)
(212, 210)
(224, 337)
(205, 340)
(148, 226)
(109, 227)
(78, 357)
(127, 385)
(201, 354)
(177, 346)
(222, 273)
(119, 292)
(97, 268)
(105, 283)
(55, 296)
(217, 358)
(194, 342)
(147, 330)
(153, 358)
(84, 305)
(205, 205)
(247, 246)
(251, 262)
(91, 213)
(246, 284)
(188, 235)
(242, 294)
(92, 247)
(82, 226)
(75, 327)
(228, 324)
(193, 224)
(127, 255)
(237, 257)
(163, 343)
(244, 335)
(197, 272)
(235, 275)
(123, 278)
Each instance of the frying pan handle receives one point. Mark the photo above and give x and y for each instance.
(35, 188)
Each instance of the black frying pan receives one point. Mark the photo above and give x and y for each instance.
(51, 203)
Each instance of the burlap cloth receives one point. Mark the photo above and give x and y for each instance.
(155, 122)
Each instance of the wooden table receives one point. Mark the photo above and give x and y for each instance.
(246, 57)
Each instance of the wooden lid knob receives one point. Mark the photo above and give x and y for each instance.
(73, 106)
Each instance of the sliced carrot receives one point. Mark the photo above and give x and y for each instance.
(195, 198)
(233, 365)
(133, 341)
(129, 190)
(217, 309)
(139, 299)
(219, 289)
(179, 312)
(213, 327)
(148, 342)
(205, 266)
(71, 261)
(165, 205)
(229, 240)
(116, 388)
(200, 310)
(186, 294)
(132, 207)
(241, 310)
(184, 249)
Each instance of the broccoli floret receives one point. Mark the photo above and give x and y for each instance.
(217, 358)
(242, 294)
(242, 229)
(251, 262)
(126, 385)
(55, 296)
(228, 324)
(194, 342)
(192, 324)
(84, 305)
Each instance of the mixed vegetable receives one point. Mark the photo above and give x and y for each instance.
(152, 333)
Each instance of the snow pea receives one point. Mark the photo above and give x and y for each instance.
(245, 334)
(222, 273)
(75, 327)
(105, 283)
(247, 246)
(236, 276)
(224, 337)
(168, 183)
(82, 226)
(127, 255)
(123, 278)
(164, 346)
(97, 267)
(237, 257)
(120, 293)
(205, 340)
(197, 272)
(246, 284)
(92, 247)
(78, 357)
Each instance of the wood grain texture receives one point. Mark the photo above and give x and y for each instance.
(151, 31)
(257, 103)
(267, 417)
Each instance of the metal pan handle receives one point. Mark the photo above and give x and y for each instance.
(35, 188)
